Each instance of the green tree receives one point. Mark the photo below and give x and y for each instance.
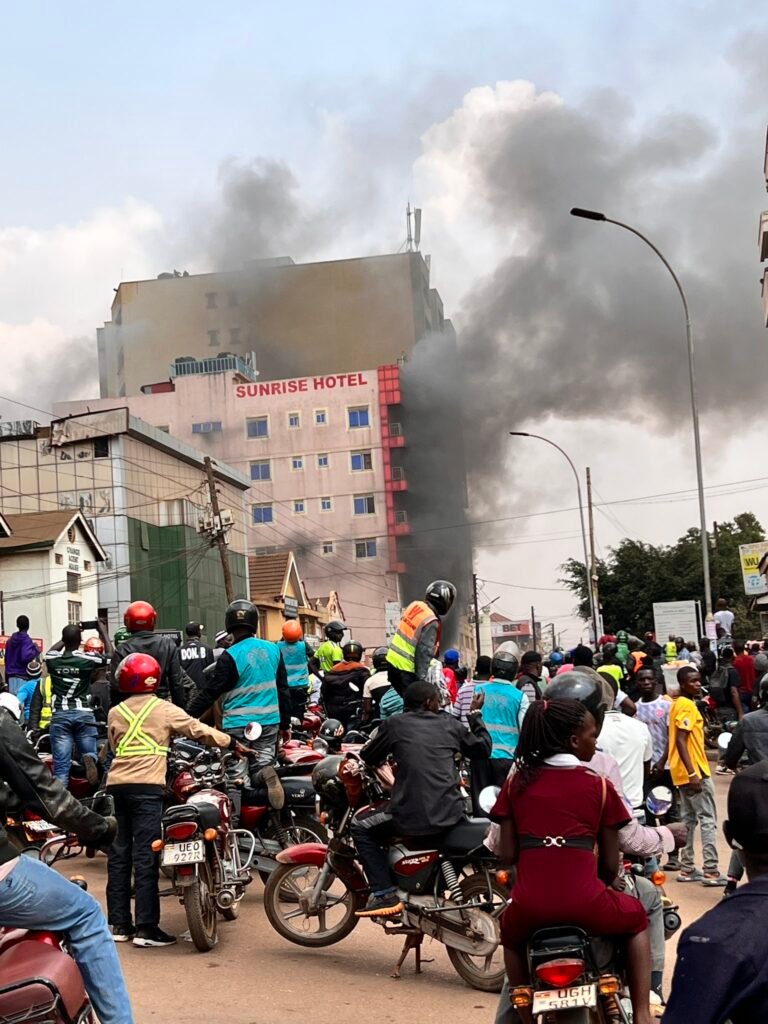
(635, 575)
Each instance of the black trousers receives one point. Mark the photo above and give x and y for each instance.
(139, 820)
(298, 695)
(400, 680)
(490, 771)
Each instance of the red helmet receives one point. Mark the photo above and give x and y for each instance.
(139, 615)
(292, 632)
(138, 673)
(95, 645)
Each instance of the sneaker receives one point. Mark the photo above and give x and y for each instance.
(722, 770)
(382, 906)
(122, 933)
(146, 937)
(714, 880)
(275, 790)
(91, 769)
(690, 875)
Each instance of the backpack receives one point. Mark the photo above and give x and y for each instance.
(719, 690)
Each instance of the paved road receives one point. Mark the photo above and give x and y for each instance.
(255, 977)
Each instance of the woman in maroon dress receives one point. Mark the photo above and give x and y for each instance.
(553, 794)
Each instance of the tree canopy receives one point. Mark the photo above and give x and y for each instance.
(636, 574)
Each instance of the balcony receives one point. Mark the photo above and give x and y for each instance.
(393, 435)
(187, 366)
(402, 526)
(762, 236)
(399, 482)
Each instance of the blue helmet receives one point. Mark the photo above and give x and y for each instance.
(451, 656)
(555, 658)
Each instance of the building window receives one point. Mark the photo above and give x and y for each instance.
(321, 417)
(294, 420)
(234, 335)
(101, 448)
(361, 461)
(73, 583)
(262, 513)
(365, 548)
(59, 559)
(328, 547)
(364, 505)
(232, 300)
(322, 461)
(298, 507)
(258, 427)
(87, 566)
(213, 339)
(297, 463)
(210, 300)
(261, 470)
(326, 504)
(358, 416)
(209, 427)
(74, 612)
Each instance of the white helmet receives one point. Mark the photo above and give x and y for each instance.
(11, 704)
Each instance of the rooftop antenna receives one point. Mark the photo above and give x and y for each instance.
(416, 228)
(409, 236)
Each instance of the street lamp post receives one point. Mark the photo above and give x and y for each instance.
(596, 215)
(588, 576)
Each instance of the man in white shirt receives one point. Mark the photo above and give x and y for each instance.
(629, 742)
(724, 617)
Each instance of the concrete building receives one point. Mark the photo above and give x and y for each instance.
(322, 457)
(308, 318)
(519, 630)
(144, 494)
(48, 567)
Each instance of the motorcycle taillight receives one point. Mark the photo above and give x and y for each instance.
(181, 830)
(560, 973)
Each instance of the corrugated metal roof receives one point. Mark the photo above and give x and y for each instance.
(32, 530)
(267, 574)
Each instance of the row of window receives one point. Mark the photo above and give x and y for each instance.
(362, 505)
(359, 462)
(212, 300)
(214, 337)
(366, 547)
(358, 417)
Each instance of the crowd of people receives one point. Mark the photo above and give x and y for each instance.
(573, 742)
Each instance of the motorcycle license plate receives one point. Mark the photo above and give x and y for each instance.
(564, 998)
(38, 825)
(183, 853)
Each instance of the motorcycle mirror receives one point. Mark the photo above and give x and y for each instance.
(488, 798)
(659, 801)
(723, 740)
(253, 730)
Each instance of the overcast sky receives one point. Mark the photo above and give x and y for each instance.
(123, 128)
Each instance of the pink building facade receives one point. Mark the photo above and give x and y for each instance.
(322, 454)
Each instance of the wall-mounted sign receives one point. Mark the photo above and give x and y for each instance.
(300, 384)
(290, 608)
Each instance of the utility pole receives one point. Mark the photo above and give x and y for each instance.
(594, 599)
(533, 628)
(717, 562)
(218, 531)
(477, 614)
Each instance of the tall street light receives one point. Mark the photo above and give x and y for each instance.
(595, 215)
(587, 570)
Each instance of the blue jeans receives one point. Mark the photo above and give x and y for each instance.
(15, 683)
(35, 896)
(70, 728)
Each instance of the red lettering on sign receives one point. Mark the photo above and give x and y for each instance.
(240, 391)
(304, 384)
(300, 384)
(318, 383)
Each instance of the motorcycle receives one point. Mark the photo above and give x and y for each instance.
(207, 858)
(453, 894)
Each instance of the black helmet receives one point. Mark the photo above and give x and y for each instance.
(332, 731)
(505, 665)
(609, 650)
(352, 651)
(581, 687)
(380, 658)
(335, 630)
(440, 596)
(328, 785)
(242, 613)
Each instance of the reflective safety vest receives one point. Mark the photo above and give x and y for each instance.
(402, 646)
(329, 654)
(612, 670)
(254, 697)
(136, 743)
(501, 715)
(295, 660)
(46, 712)
(670, 650)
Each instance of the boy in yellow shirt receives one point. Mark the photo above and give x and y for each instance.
(690, 771)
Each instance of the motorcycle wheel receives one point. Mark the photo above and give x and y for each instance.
(200, 909)
(485, 973)
(305, 829)
(283, 894)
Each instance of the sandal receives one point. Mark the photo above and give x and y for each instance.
(693, 875)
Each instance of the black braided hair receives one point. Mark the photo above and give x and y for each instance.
(547, 729)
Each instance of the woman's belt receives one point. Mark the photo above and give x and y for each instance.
(557, 842)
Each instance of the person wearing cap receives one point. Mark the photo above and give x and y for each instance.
(294, 652)
(721, 973)
(196, 656)
(451, 660)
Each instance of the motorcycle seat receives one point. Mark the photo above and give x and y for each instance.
(206, 813)
(466, 836)
(284, 771)
(33, 974)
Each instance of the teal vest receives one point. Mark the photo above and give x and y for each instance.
(500, 714)
(254, 698)
(295, 659)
